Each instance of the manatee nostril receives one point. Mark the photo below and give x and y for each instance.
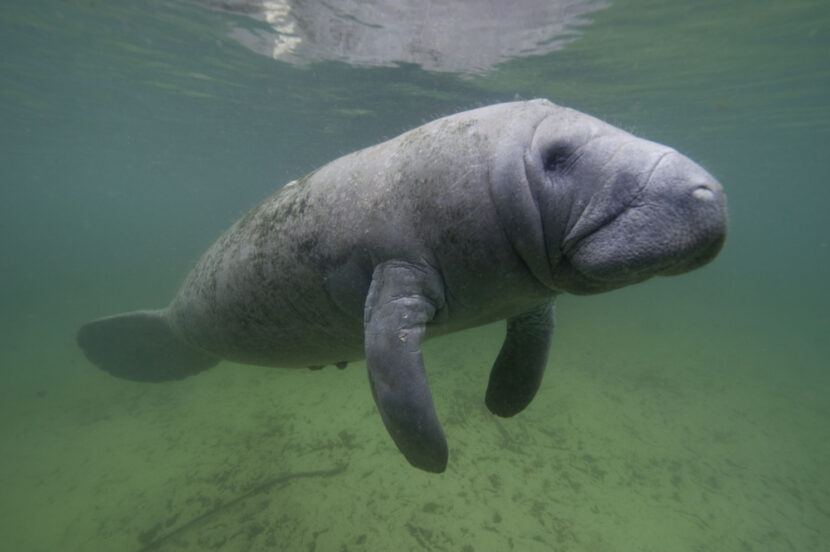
(703, 192)
(707, 190)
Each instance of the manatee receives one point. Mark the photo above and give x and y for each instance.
(480, 216)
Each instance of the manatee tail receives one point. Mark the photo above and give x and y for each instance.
(141, 346)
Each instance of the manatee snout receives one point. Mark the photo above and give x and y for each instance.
(695, 213)
(675, 222)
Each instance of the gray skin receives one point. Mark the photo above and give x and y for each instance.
(480, 216)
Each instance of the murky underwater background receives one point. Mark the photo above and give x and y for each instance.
(687, 413)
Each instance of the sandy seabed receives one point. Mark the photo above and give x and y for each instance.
(653, 435)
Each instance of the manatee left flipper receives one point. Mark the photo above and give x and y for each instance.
(402, 298)
(517, 372)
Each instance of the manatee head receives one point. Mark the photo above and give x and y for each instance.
(616, 209)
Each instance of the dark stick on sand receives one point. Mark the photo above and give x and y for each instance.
(267, 485)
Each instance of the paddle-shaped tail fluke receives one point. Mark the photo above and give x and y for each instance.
(141, 346)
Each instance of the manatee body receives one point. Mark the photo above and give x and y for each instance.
(484, 215)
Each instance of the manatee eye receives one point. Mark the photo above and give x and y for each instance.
(556, 157)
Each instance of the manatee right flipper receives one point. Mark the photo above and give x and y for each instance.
(141, 346)
(402, 298)
(517, 372)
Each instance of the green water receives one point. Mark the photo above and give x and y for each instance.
(688, 413)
